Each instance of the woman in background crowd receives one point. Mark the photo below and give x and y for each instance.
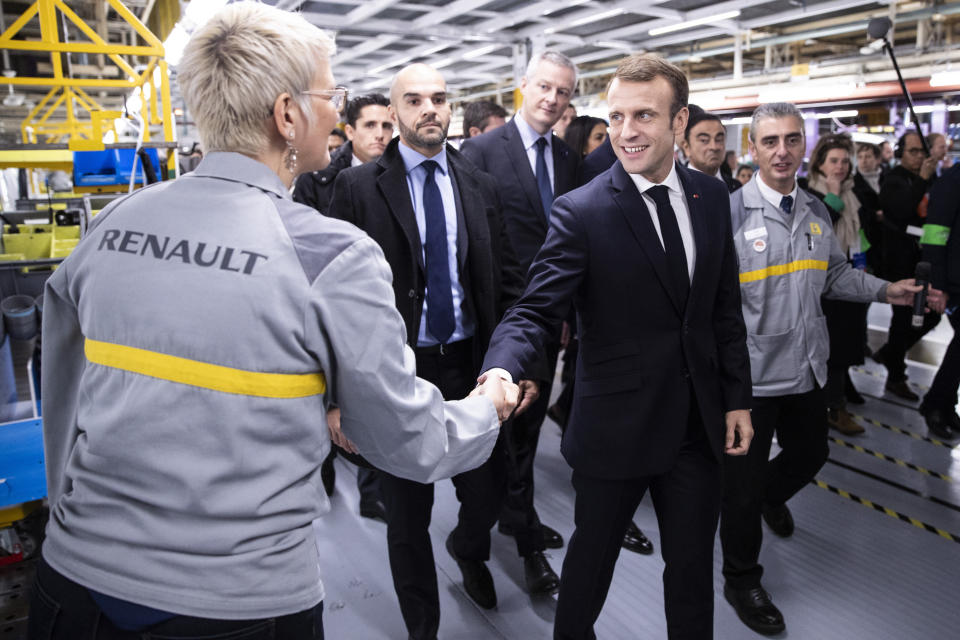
(585, 133)
(830, 179)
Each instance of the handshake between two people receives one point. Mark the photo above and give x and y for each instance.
(508, 399)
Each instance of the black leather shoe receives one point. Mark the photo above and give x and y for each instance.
(477, 580)
(634, 540)
(538, 575)
(755, 609)
(954, 420)
(900, 389)
(779, 520)
(328, 475)
(375, 510)
(939, 423)
(551, 537)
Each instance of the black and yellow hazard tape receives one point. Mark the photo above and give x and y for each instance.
(890, 512)
(923, 495)
(878, 374)
(895, 429)
(896, 461)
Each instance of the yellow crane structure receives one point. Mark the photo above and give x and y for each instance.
(75, 133)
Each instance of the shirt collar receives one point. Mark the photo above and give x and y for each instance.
(413, 159)
(773, 196)
(693, 168)
(527, 133)
(236, 167)
(671, 182)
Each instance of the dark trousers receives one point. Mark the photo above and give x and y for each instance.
(687, 502)
(61, 609)
(752, 480)
(522, 435)
(409, 505)
(901, 338)
(943, 392)
(368, 480)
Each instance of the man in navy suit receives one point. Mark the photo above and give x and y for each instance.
(645, 254)
(531, 167)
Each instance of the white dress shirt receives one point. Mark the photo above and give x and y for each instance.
(717, 175)
(416, 176)
(773, 196)
(679, 203)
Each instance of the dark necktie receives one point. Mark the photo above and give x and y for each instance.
(440, 320)
(672, 241)
(786, 203)
(543, 178)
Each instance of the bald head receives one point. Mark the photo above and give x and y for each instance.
(414, 75)
(418, 104)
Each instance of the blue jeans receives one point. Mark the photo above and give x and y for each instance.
(61, 609)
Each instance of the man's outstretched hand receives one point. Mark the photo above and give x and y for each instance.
(504, 394)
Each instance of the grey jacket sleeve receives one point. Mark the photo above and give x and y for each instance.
(62, 342)
(846, 283)
(397, 421)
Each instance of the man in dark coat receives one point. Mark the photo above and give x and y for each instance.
(368, 130)
(531, 166)
(903, 193)
(439, 223)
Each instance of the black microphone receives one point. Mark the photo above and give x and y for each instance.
(921, 279)
(878, 27)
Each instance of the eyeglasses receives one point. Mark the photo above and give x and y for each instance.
(337, 96)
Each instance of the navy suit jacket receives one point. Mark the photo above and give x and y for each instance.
(500, 153)
(642, 350)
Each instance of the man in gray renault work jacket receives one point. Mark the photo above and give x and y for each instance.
(788, 258)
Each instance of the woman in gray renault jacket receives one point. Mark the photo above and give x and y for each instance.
(192, 343)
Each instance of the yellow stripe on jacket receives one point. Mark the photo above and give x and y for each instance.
(783, 269)
(203, 374)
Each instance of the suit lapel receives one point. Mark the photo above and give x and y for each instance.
(521, 166)
(466, 200)
(393, 183)
(635, 211)
(699, 223)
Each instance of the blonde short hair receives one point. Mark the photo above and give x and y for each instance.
(237, 64)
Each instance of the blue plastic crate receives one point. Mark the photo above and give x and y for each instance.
(22, 476)
(108, 167)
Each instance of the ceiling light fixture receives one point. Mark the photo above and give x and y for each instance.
(739, 120)
(945, 78)
(696, 22)
(597, 17)
(482, 51)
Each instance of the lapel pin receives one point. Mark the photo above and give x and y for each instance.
(696, 196)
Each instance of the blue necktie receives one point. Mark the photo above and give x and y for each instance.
(672, 241)
(786, 203)
(543, 179)
(440, 322)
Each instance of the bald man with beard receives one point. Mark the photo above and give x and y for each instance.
(438, 221)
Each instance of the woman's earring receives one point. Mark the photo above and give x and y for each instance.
(290, 157)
